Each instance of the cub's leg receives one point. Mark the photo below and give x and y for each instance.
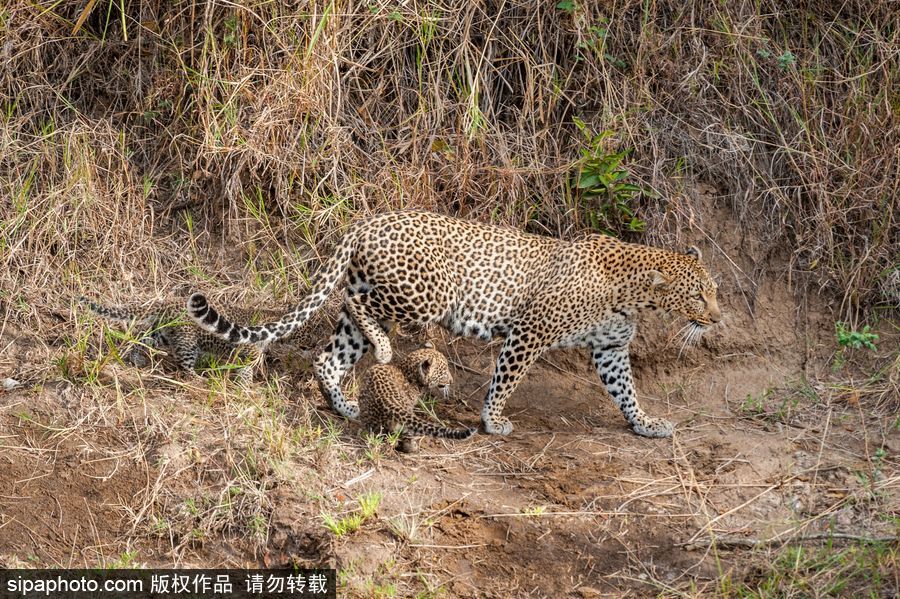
(358, 304)
(520, 350)
(614, 367)
(252, 359)
(346, 346)
(406, 443)
(185, 349)
(139, 353)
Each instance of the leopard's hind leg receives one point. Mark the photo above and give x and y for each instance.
(346, 346)
(359, 307)
(138, 355)
(251, 359)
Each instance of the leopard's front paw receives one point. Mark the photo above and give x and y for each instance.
(653, 427)
(499, 425)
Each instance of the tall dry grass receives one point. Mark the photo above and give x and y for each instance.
(161, 141)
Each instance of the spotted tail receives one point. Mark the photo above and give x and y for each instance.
(213, 322)
(421, 426)
(116, 313)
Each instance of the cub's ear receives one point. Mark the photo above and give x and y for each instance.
(425, 366)
(693, 251)
(659, 281)
(428, 345)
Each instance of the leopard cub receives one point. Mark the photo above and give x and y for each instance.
(389, 392)
(164, 326)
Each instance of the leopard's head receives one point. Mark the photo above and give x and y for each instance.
(432, 369)
(683, 285)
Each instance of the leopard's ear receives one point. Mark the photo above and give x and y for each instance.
(428, 345)
(424, 367)
(694, 252)
(659, 281)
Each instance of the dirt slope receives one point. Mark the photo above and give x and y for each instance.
(122, 467)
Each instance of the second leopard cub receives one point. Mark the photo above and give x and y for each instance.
(164, 327)
(390, 391)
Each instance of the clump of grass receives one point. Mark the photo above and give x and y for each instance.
(344, 525)
(781, 405)
(408, 527)
(377, 445)
(535, 511)
(368, 506)
(368, 503)
(866, 569)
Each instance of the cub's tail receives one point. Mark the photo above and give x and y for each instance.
(116, 313)
(421, 426)
(333, 272)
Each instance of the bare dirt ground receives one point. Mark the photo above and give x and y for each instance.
(775, 445)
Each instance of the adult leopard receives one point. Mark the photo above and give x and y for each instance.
(483, 280)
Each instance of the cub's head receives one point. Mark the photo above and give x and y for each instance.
(682, 285)
(432, 369)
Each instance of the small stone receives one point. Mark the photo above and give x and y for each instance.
(10, 384)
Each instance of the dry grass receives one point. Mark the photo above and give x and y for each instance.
(274, 123)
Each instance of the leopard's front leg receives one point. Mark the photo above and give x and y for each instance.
(614, 367)
(519, 352)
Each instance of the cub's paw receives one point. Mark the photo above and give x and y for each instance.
(653, 427)
(137, 357)
(245, 375)
(497, 426)
(408, 445)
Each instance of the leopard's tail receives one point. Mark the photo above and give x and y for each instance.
(328, 278)
(116, 313)
(421, 426)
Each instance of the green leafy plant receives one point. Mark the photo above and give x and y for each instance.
(595, 41)
(855, 339)
(231, 32)
(602, 188)
(753, 406)
(376, 445)
(868, 479)
(124, 561)
(771, 407)
(786, 60)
